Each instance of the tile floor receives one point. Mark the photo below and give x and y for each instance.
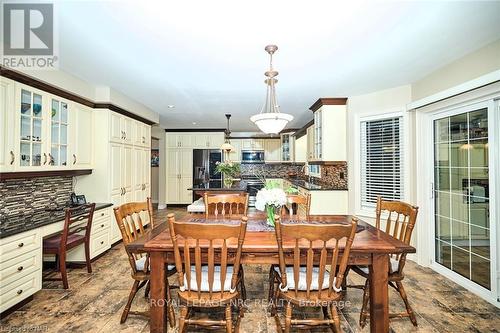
(95, 301)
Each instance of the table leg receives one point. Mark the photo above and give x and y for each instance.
(158, 296)
(379, 294)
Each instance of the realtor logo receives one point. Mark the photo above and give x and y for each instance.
(28, 35)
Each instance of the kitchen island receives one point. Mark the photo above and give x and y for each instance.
(239, 186)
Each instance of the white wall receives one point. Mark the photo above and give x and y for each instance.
(85, 89)
(383, 102)
(159, 133)
(480, 62)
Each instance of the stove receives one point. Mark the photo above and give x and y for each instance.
(254, 184)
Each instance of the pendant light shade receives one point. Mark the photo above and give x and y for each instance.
(226, 146)
(270, 120)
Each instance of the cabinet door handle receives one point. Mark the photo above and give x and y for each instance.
(20, 268)
(74, 159)
(44, 158)
(12, 157)
(102, 225)
(20, 291)
(102, 242)
(102, 214)
(20, 244)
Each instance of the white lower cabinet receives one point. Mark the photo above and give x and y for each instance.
(20, 267)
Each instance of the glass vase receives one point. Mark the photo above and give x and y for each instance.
(271, 211)
(228, 181)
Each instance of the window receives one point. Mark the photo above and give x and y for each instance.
(315, 171)
(381, 160)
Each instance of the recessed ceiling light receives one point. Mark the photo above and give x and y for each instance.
(170, 106)
(194, 122)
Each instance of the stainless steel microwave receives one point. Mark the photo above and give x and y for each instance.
(252, 156)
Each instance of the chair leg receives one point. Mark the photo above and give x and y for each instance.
(366, 297)
(271, 284)
(148, 288)
(409, 310)
(288, 317)
(242, 284)
(133, 291)
(170, 306)
(229, 320)
(182, 318)
(87, 256)
(62, 268)
(336, 320)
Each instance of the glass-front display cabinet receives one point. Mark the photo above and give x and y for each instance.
(32, 122)
(287, 147)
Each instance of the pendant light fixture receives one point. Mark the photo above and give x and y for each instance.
(226, 146)
(270, 120)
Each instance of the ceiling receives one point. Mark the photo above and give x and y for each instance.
(207, 58)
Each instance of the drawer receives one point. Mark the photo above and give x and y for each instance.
(102, 213)
(100, 225)
(14, 246)
(99, 243)
(15, 292)
(21, 266)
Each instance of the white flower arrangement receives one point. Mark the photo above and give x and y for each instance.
(270, 199)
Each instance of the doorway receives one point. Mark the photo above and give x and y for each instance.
(155, 170)
(463, 220)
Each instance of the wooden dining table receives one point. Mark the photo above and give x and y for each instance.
(371, 247)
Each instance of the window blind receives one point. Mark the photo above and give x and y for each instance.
(381, 160)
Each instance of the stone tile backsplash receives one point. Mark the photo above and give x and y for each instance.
(271, 170)
(335, 175)
(28, 196)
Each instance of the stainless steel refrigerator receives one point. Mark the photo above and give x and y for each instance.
(204, 163)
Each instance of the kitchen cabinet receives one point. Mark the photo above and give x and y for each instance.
(287, 147)
(252, 144)
(81, 137)
(179, 140)
(20, 267)
(141, 132)
(300, 149)
(121, 128)
(41, 131)
(331, 119)
(310, 143)
(272, 152)
(235, 154)
(7, 150)
(121, 170)
(179, 176)
(142, 183)
(207, 141)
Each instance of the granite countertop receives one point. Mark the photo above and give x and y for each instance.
(12, 225)
(314, 187)
(238, 186)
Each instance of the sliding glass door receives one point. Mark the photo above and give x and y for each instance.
(462, 195)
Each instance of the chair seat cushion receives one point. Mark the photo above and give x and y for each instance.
(204, 279)
(394, 266)
(197, 207)
(139, 264)
(54, 242)
(302, 285)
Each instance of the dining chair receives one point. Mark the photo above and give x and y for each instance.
(76, 231)
(294, 201)
(225, 205)
(401, 219)
(129, 218)
(208, 270)
(308, 282)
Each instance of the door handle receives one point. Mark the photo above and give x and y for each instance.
(51, 159)
(44, 158)
(12, 157)
(74, 159)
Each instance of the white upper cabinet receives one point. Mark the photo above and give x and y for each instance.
(179, 140)
(208, 141)
(329, 130)
(116, 131)
(7, 146)
(272, 150)
(141, 134)
(31, 129)
(235, 154)
(129, 131)
(81, 137)
(287, 147)
(252, 144)
(59, 119)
